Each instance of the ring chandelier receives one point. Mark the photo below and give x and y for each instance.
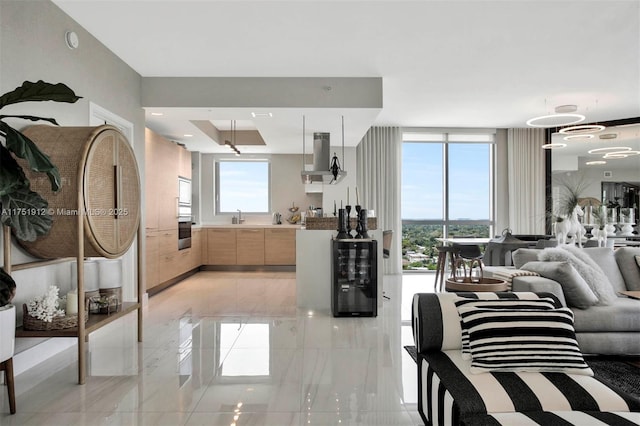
(582, 129)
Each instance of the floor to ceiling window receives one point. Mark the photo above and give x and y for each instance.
(447, 191)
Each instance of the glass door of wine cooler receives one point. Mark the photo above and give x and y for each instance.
(355, 285)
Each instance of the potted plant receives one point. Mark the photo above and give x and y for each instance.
(7, 288)
(24, 210)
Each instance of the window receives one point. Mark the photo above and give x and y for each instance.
(447, 182)
(242, 185)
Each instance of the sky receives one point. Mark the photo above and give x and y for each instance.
(422, 181)
(244, 185)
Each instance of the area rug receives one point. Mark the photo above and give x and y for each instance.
(616, 373)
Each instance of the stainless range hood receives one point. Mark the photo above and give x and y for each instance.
(325, 169)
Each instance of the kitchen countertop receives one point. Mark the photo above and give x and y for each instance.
(248, 225)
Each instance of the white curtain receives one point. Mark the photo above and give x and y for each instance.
(526, 173)
(378, 177)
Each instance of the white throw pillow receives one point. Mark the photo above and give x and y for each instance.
(587, 268)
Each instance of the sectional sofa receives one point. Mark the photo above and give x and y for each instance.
(605, 321)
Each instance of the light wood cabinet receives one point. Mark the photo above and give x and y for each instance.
(151, 260)
(250, 246)
(165, 161)
(150, 182)
(196, 249)
(247, 246)
(168, 266)
(279, 246)
(221, 246)
(184, 165)
(167, 241)
(162, 179)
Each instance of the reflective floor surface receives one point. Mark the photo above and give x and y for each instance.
(224, 348)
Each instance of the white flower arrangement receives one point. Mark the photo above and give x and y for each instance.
(45, 308)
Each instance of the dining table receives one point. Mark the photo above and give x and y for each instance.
(468, 241)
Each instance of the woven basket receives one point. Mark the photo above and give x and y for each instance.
(58, 323)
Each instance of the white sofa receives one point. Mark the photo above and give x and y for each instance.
(612, 329)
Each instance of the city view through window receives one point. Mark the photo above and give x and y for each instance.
(446, 192)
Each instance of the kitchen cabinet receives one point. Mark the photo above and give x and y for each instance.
(151, 260)
(279, 246)
(150, 182)
(161, 179)
(165, 162)
(196, 249)
(184, 164)
(221, 246)
(250, 246)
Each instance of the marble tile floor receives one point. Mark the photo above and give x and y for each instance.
(230, 348)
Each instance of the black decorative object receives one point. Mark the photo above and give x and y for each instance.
(358, 224)
(335, 167)
(348, 209)
(362, 223)
(343, 221)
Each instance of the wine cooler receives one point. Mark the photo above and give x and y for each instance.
(354, 291)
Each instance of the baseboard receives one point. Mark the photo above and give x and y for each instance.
(249, 268)
(162, 286)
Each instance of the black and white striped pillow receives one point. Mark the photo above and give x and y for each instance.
(537, 304)
(523, 340)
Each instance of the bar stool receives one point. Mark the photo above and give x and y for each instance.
(444, 251)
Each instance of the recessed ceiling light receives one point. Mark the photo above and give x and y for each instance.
(608, 136)
(187, 135)
(578, 137)
(261, 114)
(157, 113)
(584, 128)
(593, 163)
(555, 120)
(610, 149)
(554, 145)
(563, 109)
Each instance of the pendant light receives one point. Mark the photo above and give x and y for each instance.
(232, 143)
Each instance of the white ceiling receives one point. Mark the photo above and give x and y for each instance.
(443, 63)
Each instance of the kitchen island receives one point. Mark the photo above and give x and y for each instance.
(313, 269)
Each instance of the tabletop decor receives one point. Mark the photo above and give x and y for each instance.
(43, 313)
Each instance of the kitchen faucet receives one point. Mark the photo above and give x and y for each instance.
(240, 219)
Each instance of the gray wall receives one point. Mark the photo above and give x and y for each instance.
(286, 188)
(32, 47)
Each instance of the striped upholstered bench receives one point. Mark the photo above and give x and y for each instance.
(473, 388)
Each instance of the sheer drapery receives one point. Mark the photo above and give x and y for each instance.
(378, 176)
(526, 162)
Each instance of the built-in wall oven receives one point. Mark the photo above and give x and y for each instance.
(184, 213)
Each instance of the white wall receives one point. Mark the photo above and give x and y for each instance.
(32, 47)
(595, 176)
